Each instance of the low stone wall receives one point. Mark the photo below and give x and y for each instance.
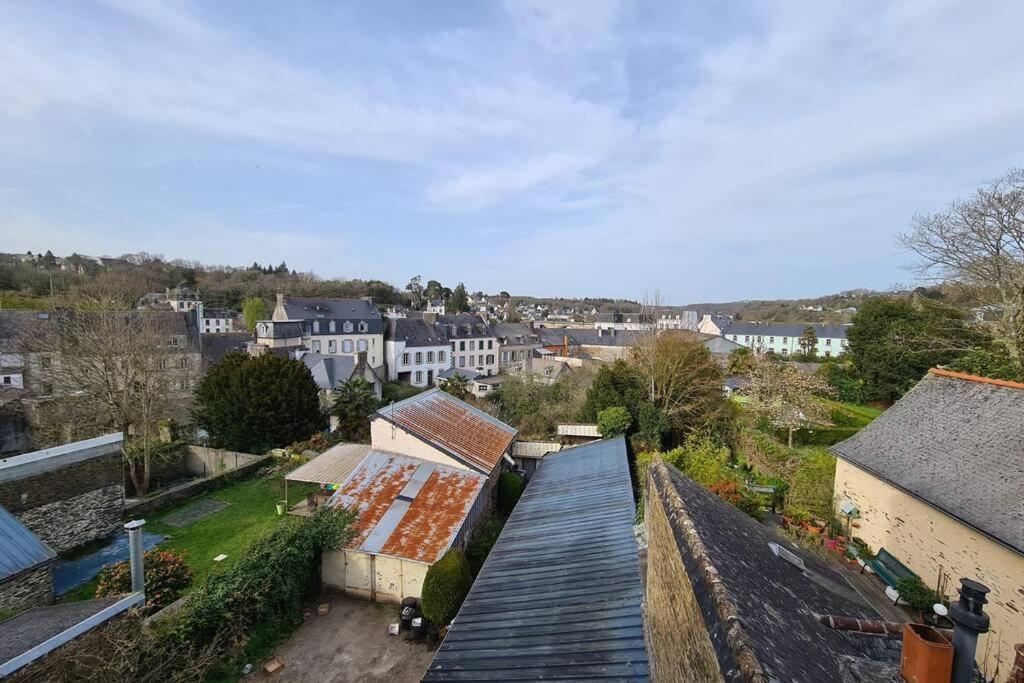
(30, 588)
(75, 521)
(140, 507)
(207, 462)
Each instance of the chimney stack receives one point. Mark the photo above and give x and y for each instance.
(430, 318)
(134, 529)
(969, 621)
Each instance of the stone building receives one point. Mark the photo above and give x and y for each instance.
(67, 495)
(26, 566)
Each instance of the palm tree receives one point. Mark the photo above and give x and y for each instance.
(353, 403)
(457, 385)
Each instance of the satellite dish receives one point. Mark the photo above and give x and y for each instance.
(940, 609)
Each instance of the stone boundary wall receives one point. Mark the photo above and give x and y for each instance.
(141, 507)
(30, 588)
(71, 522)
(207, 462)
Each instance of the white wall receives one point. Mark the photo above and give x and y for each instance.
(467, 354)
(380, 577)
(396, 362)
(387, 437)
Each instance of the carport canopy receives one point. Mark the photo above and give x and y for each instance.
(332, 466)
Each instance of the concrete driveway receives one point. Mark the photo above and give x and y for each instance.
(351, 643)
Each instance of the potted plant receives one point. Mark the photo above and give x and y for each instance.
(915, 593)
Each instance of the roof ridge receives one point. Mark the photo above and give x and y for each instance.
(738, 642)
(953, 374)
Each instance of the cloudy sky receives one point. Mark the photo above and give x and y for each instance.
(714, 150)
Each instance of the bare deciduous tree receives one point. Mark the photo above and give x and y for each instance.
(111, 369)
(979, 243)
(790, 398)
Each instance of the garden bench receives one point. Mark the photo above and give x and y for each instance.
(889, 568)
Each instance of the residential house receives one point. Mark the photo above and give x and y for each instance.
(331, 327)
(474, 345)
(438, 427)
(415, 351)
(485, 385)
(183, 298)
(713, 323)
(330, 372)
(411, 512)
(516, 342)
(605, 344)
(26, 566)
(435, 306)
(219, 321)
(624, 321)
(560, 595)
(937, 480)
(678, 320)
(784, 338)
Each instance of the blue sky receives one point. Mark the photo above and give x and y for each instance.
(713, 150)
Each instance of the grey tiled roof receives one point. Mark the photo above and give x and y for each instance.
(415, 332)
(20, 549)
(785, 329)
(329, 371)
(957, 444)
(776, 603)
(336, 309)
(515, 333)
(559, 596)
(455, 326)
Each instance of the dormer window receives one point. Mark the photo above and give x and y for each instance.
(332, 326)
(362, 326)
(347, 326)
(316, 327)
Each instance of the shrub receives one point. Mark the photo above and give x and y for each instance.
(816, 436)
(166, 576)
(510, 488)
(919, 596)
(264, 590)
(445, 587)
(730, 492)
(480, 547)
(613, 421)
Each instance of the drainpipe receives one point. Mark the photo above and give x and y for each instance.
(969, 621)
(134, 529)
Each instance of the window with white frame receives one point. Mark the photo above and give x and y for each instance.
(419, 377)
(316, 346)
(316, 327)
(472, 345)
(462, 361)
(490, 359)
(361, 345)
(419, 357)
(490, 344)
(440, 356)
(346, 346)
(405, 359)
(362, 327)
(332, 327)
(332, 346)
(430, 356)
(472, 361)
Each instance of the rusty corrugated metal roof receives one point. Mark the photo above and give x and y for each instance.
(459, 429)
(408, 507)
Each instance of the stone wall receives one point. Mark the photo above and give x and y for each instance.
(26, 493)
(926, 539)
(71, 522)
(208, 462)
(140, 507)
(680, 647)
(30, 588)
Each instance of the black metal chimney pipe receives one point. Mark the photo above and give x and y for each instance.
(969, 621)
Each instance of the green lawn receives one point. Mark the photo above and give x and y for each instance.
(867, 412)
(250, 512)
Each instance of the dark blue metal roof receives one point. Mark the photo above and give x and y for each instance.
(19, 547)
(560, 595)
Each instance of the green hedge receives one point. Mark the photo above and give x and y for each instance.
(818, 436)
(510, 488)
(480, 547)
(445, 587)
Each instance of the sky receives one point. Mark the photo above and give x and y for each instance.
(711, 150)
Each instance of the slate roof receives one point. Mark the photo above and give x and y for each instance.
(957, 443)
(719, 346)
(284, 329)
(515, 334)
(407, 507)
(330, 309)
(453, 426)
(415, 332)
(785, 329)
(733, 570)
(477, 326)
(20, 549)
(448, 373)
(560, 595)
(216, 346)
(329, 371)
(579, 336)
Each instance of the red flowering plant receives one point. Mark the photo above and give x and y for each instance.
(167, 575)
